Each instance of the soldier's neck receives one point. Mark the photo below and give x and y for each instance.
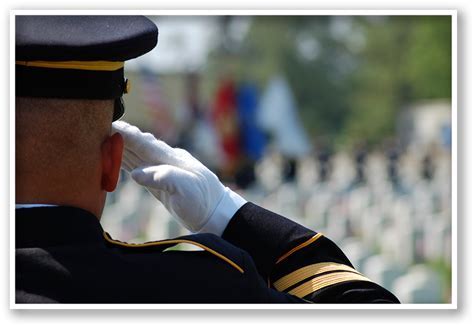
(92, 202)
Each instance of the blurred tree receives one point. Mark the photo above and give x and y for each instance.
(318, 67)
(350, 75)
(406, 58)
(428, 64)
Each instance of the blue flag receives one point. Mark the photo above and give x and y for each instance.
(253, 140)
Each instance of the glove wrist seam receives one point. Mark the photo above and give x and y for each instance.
(226, 208)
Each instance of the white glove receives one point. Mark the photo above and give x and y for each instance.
(190, 191)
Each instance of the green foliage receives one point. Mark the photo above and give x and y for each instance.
(428, 68)
(350, 75)
(443, 268)
(320, 84)
(405, 59)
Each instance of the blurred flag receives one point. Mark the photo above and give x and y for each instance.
(158, 107)
(224, 116)
(251, 136)
(278, 115)
(446, 136)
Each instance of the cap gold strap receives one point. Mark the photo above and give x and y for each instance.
(79, 65)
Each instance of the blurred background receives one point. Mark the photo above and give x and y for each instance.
(341, 123)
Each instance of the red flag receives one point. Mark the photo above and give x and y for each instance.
(224, 116)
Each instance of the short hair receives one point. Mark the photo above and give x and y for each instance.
(63, 135)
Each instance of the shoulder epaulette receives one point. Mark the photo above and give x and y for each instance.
(164, 244)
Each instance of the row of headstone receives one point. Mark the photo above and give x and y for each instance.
(409, 228)
(411, 284)
(419, 284)
(134, 215)
(343, 171)
(386, 221)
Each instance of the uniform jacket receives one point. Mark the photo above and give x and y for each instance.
(64, 256)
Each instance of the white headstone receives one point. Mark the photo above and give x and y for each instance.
(438, 234)
(316, 209)
(356, 251)
(419, 285)
(382, 270)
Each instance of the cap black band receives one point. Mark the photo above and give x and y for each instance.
(69, 83)
(73, 84)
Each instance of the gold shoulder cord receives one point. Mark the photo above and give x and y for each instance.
(300, 246)
(156, 243)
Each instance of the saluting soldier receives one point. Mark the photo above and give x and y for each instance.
(69, 85)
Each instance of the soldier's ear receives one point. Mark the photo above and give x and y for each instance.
(111, 152)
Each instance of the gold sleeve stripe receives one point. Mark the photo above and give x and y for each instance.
(304, 244)
(325, 280)
(155, 243)
(79, 65)
(300, 274)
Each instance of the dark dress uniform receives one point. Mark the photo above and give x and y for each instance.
(64, 256)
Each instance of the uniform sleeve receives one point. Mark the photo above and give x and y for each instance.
(299, 262)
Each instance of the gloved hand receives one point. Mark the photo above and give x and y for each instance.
(190, 191)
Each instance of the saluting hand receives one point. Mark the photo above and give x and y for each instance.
(189, 190)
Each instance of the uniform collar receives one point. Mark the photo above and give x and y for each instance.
(33, 205)
(55, 225)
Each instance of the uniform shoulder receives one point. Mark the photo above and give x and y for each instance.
(210, 243)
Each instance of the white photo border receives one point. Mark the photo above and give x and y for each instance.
(453, 305)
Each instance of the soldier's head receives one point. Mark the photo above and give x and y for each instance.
(65, 153)
(69, 87)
